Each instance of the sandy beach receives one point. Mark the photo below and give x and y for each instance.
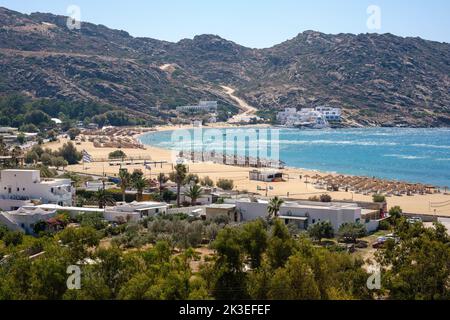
(294, 187)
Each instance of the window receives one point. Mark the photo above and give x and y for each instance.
(18, 189)
(313, 221)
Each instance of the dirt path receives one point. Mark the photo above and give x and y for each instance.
(247, 110)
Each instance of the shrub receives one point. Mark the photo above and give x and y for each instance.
(225, 184)
(325, 198)
(320, 230)
(117, 154)
(13, 238)
(350, 232)
(93, 220)
(379, 198)
(207, 182)
(395, 212)
(384, 225)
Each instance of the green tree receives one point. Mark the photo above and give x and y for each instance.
(295, 281)
(59, 162)
(191, 178)
(79, 240)
(281, 245)
(37, 117)
(46, 159)
(194, 192)
(254, 239)
(320, 230)
(21, 138)
(225, 184)
(94, 220)
(325, 198)
(274, 207)
(350, 232)
(136, 175)
(73, 133)
(31, 157)
(103, 198)
(162, 179)
(379, 198)
(118, 154)
(70, 153)
(418, 268)
(229, 277)
(13, 238)
(125, 182)
(207, 182)
(178, 176)
(140, 184)
(395, 213)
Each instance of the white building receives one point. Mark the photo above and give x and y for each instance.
(98, 185)
(252, 209)
(330, 113)
(203, 106)
(11, 135)
(24, 219)
(266, 175)
(306, 117)
(135, 211)
(306, 213)
(18, 187)
(288, 113)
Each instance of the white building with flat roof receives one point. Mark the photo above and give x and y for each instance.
(305, 213)
(24, 219)
(203, 106)
(306, 117)
(18, 187)
(267, 175)
(135, 211)
(330, 113)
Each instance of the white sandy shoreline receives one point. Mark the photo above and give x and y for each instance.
(294, 186)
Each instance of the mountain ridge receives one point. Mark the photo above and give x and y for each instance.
(379, 79)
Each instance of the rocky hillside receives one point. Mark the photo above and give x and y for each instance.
(377, 79)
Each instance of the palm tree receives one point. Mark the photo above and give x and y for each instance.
(162, 179)
(103, 198)
(178, 176)
(194, 193)
(140, 184)
(274, 207)
(125, 179)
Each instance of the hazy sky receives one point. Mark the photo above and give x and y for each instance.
(254, 23)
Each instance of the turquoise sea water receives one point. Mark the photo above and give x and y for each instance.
(413, 155)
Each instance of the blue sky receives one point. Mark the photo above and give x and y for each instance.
(254, 23)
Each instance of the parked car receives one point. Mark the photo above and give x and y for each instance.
(382, 240)
(414, 220)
